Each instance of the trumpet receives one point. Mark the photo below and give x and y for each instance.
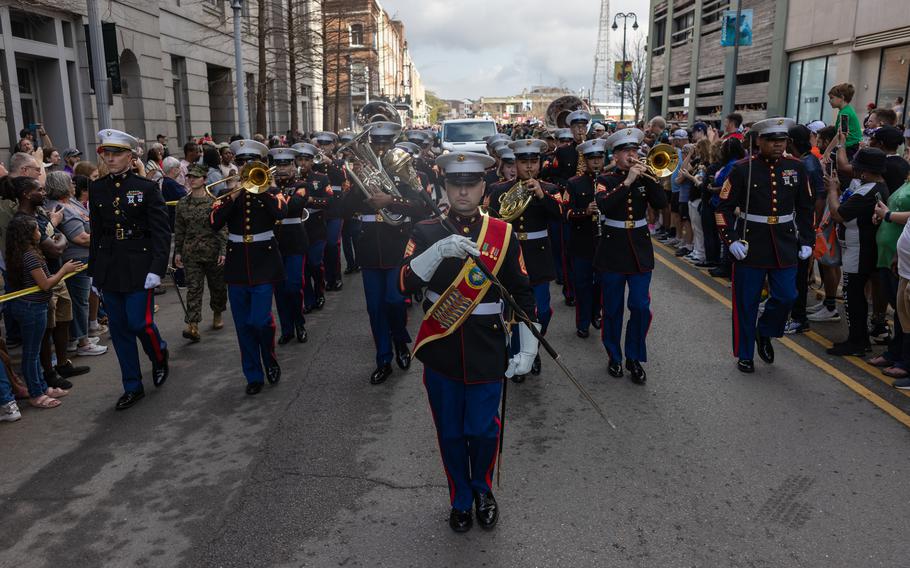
(255, 178)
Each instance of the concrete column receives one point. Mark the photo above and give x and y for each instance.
(668, 60)
(780, 68)
(64, 87)
(14, 117)
(693, 70)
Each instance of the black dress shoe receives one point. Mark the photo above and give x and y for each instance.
(284, 339)
(380, 375)
(636, 372)
(745, 366)
(460, 521)
(765, 349)
(320, 302)
(129, 399)
(487, 510)
(273, 374)
(403, 356)
(307, 309)
(596, 322)
(719, 272)
(518, 379)
(160, 370)
(614, 368)
(68, 370)
(582, 333)
(349, 270)
(706, 264)
(535, 367)
(300, 332)
(254, 388)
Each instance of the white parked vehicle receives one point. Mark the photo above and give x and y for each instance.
(466, 135)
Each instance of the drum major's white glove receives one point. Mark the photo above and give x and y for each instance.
(521, 362)
(805, 252)
(152, 280)
(425, 264)
(739, 249)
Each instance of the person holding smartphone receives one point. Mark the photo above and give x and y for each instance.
(839, 98)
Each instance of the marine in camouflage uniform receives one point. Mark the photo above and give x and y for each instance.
(201, 251)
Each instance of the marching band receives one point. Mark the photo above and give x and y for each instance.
(568, 206)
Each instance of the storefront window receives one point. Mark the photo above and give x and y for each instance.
(894, 76)
(807, 89)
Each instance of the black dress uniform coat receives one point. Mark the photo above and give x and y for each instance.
(251, 263)
(131, 235)
(477, 351)
(628, 251)
(779, 188)
(583, 228)
(319, 197)
(335, 173)
(536, 217)
(380, 245)
(565, 164)
(292, 237)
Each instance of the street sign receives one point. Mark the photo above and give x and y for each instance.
(729, 27)
(619, 67)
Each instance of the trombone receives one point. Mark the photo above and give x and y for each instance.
(661, 162)
(255, 177)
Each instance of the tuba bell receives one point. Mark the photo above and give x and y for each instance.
(255, 177)
(662, 160)
(377, 111)
(559, 109)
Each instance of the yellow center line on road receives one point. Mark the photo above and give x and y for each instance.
(818, 338)
(850, 383)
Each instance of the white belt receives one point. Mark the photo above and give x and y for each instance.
(771, 220)
(630, 224)
(292, 221)
(377, 219)
(532, 235)
(258, 237)
(336, 188)
(312, 211)
(482, 309)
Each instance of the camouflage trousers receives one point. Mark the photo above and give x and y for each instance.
(197, 272)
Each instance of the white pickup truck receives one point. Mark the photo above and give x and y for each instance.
(466, 135)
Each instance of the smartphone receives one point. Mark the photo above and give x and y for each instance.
(844, 124)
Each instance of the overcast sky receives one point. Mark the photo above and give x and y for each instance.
(473, 48)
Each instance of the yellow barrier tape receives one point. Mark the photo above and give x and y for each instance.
(33, 289)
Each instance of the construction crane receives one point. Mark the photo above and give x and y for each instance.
(600, 85)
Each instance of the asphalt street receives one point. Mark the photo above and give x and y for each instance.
(801, 464)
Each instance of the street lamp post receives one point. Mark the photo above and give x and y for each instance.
(622, 89)
(350, 91)
(242, 118)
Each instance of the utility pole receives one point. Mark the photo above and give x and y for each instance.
(102, 102)
(239, 77)
(622, 90)
(730, 65)
(350, 92)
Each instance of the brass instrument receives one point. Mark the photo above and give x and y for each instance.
(255, 177)
(513, 202)
(556, 115)
(377, 111)
(372, 178)
(661, 162)
(398, 162)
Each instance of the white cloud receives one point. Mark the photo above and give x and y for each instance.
(470, 48)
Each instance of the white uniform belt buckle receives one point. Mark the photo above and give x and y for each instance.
(379, 218)
(247, 238)
(522, 236)
(630, 224)
(772, 219)
(119, 234)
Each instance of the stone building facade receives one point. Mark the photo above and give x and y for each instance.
(174, 60)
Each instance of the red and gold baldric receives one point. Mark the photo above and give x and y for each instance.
(455, 305)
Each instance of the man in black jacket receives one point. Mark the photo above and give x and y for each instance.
(128, 256)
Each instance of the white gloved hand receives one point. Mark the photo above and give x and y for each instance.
(152, 280)
(805, 252)
(425, 264)
(739, 249)
(521, 362)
